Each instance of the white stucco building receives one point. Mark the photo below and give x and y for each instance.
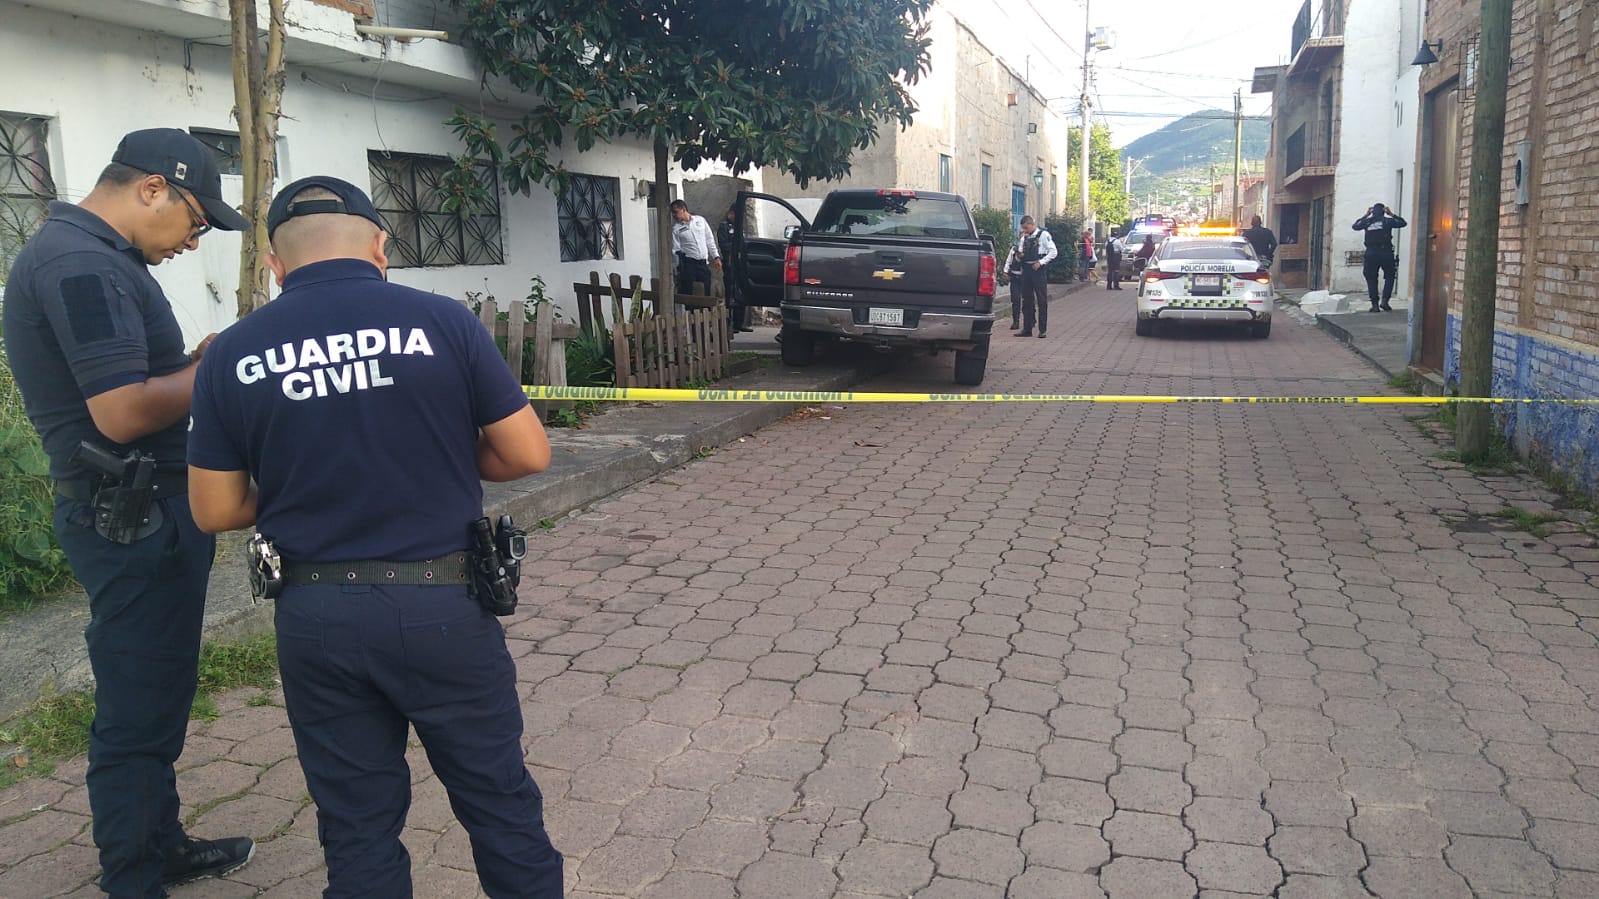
(77, 74)
(1343, 137)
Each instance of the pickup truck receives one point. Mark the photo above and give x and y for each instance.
(882, 267)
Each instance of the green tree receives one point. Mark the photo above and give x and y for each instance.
(1106, 184)
(796, 84)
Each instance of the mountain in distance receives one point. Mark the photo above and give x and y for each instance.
(1201, 138)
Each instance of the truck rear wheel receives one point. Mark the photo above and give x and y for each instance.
(972, 364)
(799, 347)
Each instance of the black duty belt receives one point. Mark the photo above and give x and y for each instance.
(450, 570)
(166, 484)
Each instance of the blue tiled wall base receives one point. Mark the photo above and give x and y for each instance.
(1565, 438)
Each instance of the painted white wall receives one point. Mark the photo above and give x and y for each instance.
(1370, 151)
(1403, 138)
(97, 80)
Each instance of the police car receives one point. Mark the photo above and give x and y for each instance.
(1196, 276)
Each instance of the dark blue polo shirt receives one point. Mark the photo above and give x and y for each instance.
(84, 316)
(355, 404)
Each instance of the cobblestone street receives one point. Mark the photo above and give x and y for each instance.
(962, 651)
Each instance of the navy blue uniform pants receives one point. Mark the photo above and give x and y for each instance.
(1380, 260)
(146, 600)
(1035, 297)
(361, 663)
(693, 271)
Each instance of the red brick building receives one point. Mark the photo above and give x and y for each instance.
(1547, 320)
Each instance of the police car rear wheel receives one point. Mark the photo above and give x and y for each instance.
(1145, 327)
(1261, 330)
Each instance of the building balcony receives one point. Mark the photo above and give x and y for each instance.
(1308, 154)
(1318, 36)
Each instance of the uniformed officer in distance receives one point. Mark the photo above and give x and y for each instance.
(350, 420)
(99, 359)
(1379, 224)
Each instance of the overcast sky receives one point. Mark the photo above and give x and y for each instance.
(1172, 57)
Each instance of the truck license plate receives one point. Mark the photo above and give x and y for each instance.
(886, 317)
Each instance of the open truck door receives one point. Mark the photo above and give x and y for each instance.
(762, 225)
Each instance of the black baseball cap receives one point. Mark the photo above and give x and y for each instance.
(177, 156)
(351, 201)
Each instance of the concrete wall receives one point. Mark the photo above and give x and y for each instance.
(95, 80)
(1546, 301)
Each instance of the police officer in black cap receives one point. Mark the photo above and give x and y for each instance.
(100, 361)
(350, 420)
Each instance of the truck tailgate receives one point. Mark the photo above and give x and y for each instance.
(921, 273)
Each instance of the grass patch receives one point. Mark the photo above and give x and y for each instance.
(56, 728)
(1404, 382)
(1496, 461)
(1531, 522)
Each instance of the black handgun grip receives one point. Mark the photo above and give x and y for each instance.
(100, 459)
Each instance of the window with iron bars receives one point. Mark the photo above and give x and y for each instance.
(588, 219)
(409, 193)
(225, 148)
(26, 187)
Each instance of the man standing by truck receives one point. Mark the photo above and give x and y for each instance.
(1035, 250)
(694, 244)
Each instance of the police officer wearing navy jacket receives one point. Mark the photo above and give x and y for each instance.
(350, 421)
(1379, 224)
(99, 359)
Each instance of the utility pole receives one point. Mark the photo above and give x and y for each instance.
(1088, 52)
(1238, 149)
(1210, 195)
(1474, 431)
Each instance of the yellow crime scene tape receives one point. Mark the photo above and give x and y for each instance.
(665, 395)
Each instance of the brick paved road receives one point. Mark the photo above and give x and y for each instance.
(1019, 650)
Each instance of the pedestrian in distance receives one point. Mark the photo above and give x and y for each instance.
(306, 425)
(737, 312)
(1379, 225)
(1085, 256)
(1113, 260)
(1145, 252)
(1264, 242)
(1034, 250)
(100, 361)
(694, 244)
(1013, 271)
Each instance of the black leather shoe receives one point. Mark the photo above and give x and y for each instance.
(1041, 334)
(1375, 309)
(198, 859)
(1387, 308)
(1022, 334)
(1015, 325)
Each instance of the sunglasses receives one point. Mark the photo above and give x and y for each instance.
(197, 218)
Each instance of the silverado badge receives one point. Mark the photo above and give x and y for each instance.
(888, 274)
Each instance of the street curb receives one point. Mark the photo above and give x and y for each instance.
(42, 651)
(1339, 333)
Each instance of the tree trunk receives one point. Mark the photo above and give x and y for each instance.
(258, 81)
(663, 227)
(1474, 432)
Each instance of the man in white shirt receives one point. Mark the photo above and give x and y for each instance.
(694, 244)
(1035, 250)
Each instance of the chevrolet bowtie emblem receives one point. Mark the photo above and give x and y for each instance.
(888, 274)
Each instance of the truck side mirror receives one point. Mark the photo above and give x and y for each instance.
(790, 231)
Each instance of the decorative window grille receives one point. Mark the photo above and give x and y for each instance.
(26, 187)
(409, 193)
(589, 223)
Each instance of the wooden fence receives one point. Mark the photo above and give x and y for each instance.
(672, 349)
(663, 346)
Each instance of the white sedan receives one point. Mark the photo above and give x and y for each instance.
(1213, 279)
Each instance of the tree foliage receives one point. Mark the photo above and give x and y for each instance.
(796, 84)
(1106, 184)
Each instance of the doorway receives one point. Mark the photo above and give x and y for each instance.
(1443, 199)
(1318, 241)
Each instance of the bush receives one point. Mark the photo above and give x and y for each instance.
(31, 562)
(995, 222)
(1065, 229)
(590, 361)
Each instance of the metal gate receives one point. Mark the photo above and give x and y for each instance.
(1318, 239)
